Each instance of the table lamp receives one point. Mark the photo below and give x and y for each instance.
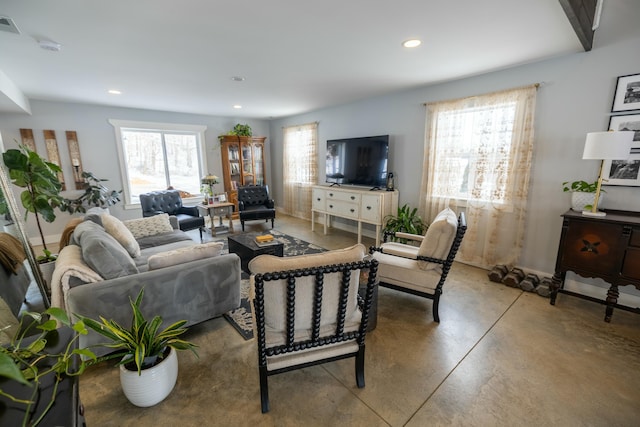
(605, 146)
(210, 180)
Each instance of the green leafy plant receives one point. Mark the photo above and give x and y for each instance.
(39, 179)
(583, 186)
(239, 130)
(143, 344)
(27, 361)
(95, 194)
(406, 221)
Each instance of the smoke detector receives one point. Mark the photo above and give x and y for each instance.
(50, 45)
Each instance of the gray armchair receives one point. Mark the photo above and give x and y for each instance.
(170, 202)
(254, 203)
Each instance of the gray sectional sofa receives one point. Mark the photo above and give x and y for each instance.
(108, 261)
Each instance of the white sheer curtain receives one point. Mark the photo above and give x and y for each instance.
(300, 161)
(478, 154)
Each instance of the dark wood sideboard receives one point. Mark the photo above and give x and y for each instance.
(600, 247)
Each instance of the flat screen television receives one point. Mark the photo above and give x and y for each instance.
(358, 161)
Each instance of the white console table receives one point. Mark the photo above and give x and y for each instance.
(360, 205)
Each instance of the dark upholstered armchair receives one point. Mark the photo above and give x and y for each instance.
(254, 203)
(169, 201)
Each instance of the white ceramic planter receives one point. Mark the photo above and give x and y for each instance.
(153, 385)
(579, 199)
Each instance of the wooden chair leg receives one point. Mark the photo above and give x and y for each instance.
(436, 303)
(360, 367)
(264, 390)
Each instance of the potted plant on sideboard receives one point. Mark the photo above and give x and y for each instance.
(406, 220)
(147, 356)
(582, 194)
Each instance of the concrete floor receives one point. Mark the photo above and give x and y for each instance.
(499, 356)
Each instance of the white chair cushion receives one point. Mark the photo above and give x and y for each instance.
(275, 292)
(405, 272)
(439, 238)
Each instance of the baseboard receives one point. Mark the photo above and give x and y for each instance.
(49, 240)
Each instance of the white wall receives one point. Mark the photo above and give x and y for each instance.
(574, 98)
(96, 138)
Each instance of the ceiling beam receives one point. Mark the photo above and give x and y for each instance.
(581, 14)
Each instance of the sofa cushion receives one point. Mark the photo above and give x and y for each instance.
(184, 255)
(275, 293)
(438, 239)
(121, 233)
(102, 252)
(149, 226)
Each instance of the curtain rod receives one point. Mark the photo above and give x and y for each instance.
(536, 85)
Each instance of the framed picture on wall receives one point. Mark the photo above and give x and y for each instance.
(627, 95)
(624, 172)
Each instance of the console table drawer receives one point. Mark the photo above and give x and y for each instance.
(370, 210)
(344, 196)
(342, 209)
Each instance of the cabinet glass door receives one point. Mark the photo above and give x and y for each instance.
(258, 164)
(234, 166)
(247, 165)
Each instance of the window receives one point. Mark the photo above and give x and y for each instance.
(477, 154)
(300, 168)
(155, 156)
(477, 159)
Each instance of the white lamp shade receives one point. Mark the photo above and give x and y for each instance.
(608, 145)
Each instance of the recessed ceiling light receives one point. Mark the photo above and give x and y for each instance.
(114, 92)
(411, 43)
(237, 78)
(237, 107)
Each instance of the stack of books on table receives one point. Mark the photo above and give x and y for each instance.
(265, 240)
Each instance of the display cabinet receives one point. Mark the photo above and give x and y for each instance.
(242, 164)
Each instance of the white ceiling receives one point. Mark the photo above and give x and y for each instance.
(295, 55)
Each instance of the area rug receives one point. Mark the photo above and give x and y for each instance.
(241, 318)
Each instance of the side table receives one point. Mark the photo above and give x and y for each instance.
(224, 209)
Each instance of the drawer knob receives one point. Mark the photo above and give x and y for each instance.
(331, 194)
(353, 197)
(331, 206)
(368, 207)
(352, 210)
(318, 199)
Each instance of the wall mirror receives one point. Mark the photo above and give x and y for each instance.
(25, 288)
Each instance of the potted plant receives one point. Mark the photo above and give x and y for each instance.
(148, 361)
(406, 221)
(95, 195)
(582, 194)
(35, 366)
(42, 188)
(239, 130)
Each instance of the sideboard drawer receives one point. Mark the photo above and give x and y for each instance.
(631, 264)
(634, 240)
(592, 247)
(317, 199)
(370, 210)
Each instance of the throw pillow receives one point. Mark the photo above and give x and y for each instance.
(121, 233)
(183, 255)
(102, 252)
(438, 239)
(149, 226)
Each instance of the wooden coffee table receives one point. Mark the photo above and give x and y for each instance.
(244, 245)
